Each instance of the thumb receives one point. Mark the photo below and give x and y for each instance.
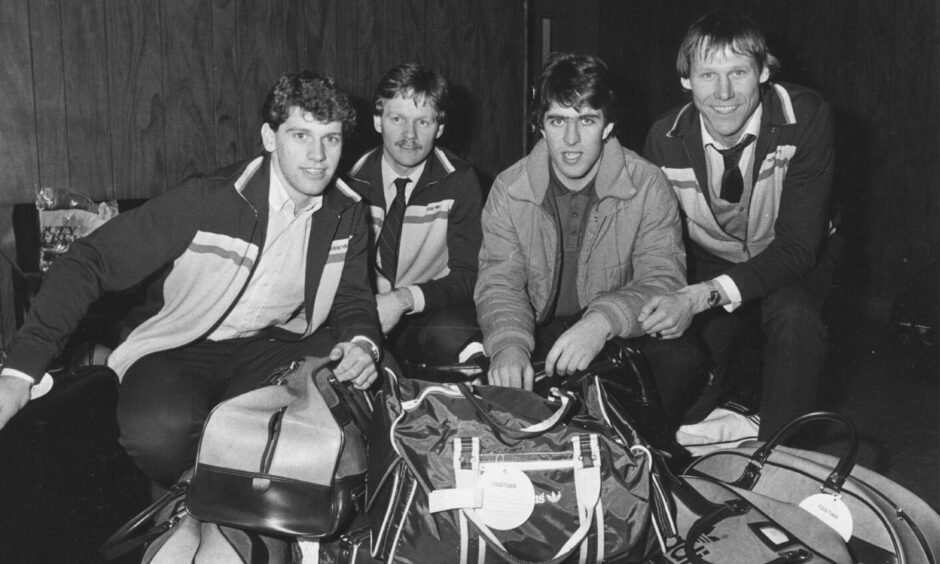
(336, 353)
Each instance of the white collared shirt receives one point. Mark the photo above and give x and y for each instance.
(275, 293)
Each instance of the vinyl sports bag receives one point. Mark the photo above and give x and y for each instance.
(880, 521)
(288, 458)
(495, 474)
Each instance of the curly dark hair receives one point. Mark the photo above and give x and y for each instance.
(317, 95)
(414, 81)
(574, 81)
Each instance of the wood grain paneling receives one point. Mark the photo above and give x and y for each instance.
(52, 151)
(17, 111)
(87, 100)
(136, 97)
(124, 98)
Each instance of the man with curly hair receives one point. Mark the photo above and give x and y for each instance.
(251, 267)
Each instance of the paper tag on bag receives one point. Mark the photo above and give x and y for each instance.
(831, 510)
(508, 498)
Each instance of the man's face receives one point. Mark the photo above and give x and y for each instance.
(575, 140)
(726, 91)
(305, 153)
(408, 132)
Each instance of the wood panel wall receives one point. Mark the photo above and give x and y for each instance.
(877, 62)
(123, 98)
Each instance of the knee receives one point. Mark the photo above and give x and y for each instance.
(785, 316)
(162, 445)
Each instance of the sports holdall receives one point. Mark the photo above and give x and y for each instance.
(288, 458)
(495, 474)
(881, 521)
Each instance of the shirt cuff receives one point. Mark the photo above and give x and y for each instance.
(417, 298)
(373, 348)
(17, 374)
(731, 290)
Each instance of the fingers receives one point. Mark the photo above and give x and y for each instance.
(356, 365)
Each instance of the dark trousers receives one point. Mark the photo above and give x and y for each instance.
(165, 397)
(678, 366)
(436, 337)
(794, 343)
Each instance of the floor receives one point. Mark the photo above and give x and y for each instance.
(65, 485)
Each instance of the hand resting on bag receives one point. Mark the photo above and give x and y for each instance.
(356, 364)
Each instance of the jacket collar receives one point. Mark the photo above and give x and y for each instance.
(369, 169)
(777, 111)
(612, 180)
(254, 183)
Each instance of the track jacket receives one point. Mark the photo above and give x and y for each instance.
(440, 236)
(632, 247)
(201, 241)
(787, 217)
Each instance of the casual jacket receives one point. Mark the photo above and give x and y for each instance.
(787, 215)
(440, 235)
(202, 241)
(632, 247)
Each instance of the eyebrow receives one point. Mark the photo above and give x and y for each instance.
(587, 113)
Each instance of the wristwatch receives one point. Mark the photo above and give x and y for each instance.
(714, 298)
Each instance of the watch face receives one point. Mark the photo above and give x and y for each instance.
(714, 298)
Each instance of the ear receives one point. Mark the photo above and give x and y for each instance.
(440, 131)
(764, 75)
(686, 83)
(377, 123)
(268, 138)
(607, 129)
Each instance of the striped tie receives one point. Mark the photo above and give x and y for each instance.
(390, 235)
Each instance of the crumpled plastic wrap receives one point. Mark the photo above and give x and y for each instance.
(65, 216)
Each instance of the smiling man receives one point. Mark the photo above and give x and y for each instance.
(424, 203)
(751, 162)
(577, 236)
(251, 267)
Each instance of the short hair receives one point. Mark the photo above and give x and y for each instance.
(724, 29)
(314, 94)
(574, 81)
(411, 80)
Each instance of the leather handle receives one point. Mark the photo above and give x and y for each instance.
(838, 476)
(123, 540)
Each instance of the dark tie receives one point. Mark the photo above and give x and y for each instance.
(732, 183)
(391, 231)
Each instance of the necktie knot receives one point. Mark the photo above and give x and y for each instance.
(732, 156)
(400, 184)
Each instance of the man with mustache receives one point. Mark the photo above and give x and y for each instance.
(253, 266)
(424, 203)
(751, 163)
(577, 236)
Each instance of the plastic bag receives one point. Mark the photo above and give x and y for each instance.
(65, 216)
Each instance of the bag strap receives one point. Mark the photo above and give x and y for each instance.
(839, 474)
(568, 401)
(123, 540)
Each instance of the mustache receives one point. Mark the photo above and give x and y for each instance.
(409, 145)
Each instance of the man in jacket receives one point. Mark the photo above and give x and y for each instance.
(581, 232)
(250, 264)
(424, 204)
(751, 163)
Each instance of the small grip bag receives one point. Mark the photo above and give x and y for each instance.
(287, 459)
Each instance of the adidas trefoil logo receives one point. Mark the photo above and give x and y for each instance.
(547, 497)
